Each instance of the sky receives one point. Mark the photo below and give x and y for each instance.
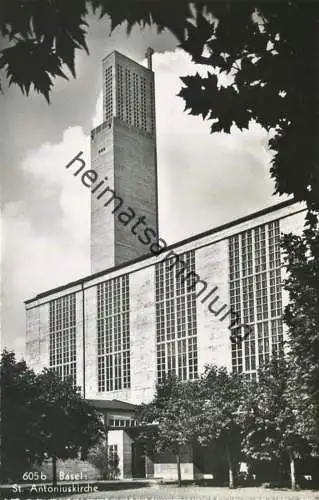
(204, 180)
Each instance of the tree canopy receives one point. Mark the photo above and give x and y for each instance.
(219, 420)
(270, 418)
(19, 437)
(42, 416)
(174, 411)
(257, 422)
(268, 51)
(68, 424)
(302, 318)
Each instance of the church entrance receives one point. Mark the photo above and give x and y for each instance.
(138, 461)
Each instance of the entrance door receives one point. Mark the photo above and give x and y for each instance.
(138, 460)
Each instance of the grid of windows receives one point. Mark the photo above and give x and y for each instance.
(135, 100)
(143, 103)
(176, 318)
(62, 336)
(108, 104)
(255, 295)
(113, 334)
(132, 104)
(128, 96)
(122, 422)
(120, 92)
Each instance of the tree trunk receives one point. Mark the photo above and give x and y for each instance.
(179, 473)
(230, 468)
(292, 470)
(54, 471)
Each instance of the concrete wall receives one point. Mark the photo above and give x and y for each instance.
(37, 337)
(136, 183)
(116, 437)
(143, 335)
(102, 219)
(165, 464)
(213, 334)
(79, 340)
(91, 343)
(128, 167)
(33, 336)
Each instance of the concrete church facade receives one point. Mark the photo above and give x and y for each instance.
(148, 309)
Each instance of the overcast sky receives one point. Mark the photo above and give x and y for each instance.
(204, 180)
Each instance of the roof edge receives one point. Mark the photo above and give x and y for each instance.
(222, 227)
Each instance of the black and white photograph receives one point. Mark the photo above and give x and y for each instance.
(159, 249)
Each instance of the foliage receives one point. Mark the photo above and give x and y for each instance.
(267, 51)
(259, 47)
(42, 417)
(42, 36)
(19, 438)
(221, 395)
(106, 464)
(113, 466)
(302, 318)
(270, 417)
(204, 411)
(68, 424)
(174, 410)
(222, 392)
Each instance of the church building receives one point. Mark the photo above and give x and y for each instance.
(148, 309)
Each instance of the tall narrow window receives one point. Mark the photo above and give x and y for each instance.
(62, 343)
(113, 334)
(255, 294)
(108, 104)
(176, 318)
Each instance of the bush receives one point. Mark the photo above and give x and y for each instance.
(105, 464)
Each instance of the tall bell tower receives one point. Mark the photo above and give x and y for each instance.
(123, 152)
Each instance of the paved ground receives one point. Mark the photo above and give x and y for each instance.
(199, 492)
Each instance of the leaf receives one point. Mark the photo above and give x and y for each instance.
(41, 67)
(197, 36)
